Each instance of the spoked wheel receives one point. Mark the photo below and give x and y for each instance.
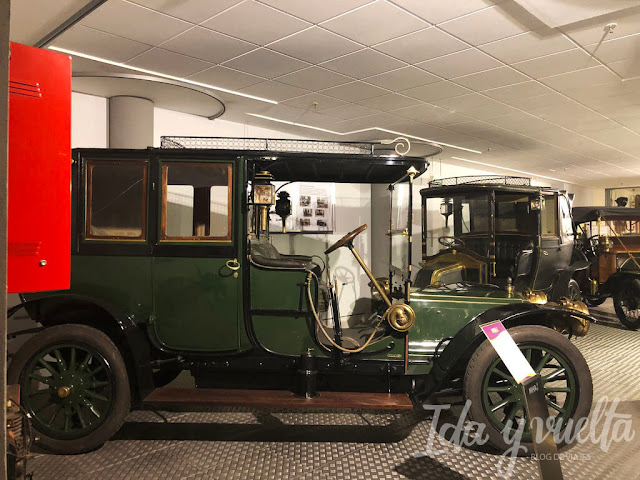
(497, 400)
(573, 291)
(627, 306)
(74, 385)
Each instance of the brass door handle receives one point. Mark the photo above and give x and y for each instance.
(233, 264)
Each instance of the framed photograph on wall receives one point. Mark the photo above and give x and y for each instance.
(312, 208)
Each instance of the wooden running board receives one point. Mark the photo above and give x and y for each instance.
(213, 397)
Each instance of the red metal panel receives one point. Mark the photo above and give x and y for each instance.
(39, 217)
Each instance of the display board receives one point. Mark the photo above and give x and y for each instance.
(312, 208)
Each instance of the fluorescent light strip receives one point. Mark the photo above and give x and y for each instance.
(286, 122)
(513, 170)
(159, 74)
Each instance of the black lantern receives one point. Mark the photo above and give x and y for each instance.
(283, 208)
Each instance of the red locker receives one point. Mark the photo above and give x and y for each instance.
(39, 217)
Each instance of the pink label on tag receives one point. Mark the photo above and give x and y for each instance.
(492, 330)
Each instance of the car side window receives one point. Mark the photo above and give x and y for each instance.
(549, 216)
(566, 224)
(115, 200)
(196, 201)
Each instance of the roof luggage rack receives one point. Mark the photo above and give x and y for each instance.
(481, 180)
(268, 145)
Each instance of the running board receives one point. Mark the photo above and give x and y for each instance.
(214, 397)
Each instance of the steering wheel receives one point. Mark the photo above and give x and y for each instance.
(346, 239)
(450, 242)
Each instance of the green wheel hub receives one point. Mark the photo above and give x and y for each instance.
(68, 390)
(503, 399)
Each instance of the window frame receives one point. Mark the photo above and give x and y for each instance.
(162, 234)
(88, 201)
(556, 217)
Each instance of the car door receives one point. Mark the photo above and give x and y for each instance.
(550, 252)
(196, 263)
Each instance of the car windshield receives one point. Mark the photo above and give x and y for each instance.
(466, 217)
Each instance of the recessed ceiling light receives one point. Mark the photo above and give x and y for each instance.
(380, 129)
(160, 74)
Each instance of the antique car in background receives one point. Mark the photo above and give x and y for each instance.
(173, 269)
(500, 231)
(609, 238)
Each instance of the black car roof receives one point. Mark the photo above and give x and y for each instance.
(439, 191)
(592, 214)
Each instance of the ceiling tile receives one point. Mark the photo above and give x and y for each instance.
(617, 49)
(421, 45)
(226, 78)
(354, 91)
(402, 79)
(255, 22)
(314, 78)
(208, 45)
(266, 63)
(498, 77)
(315, 11)
(99, 44)
(109, 18)
(581, 78)
(436, 91)
(496, 109)
(464, 102)
(307, 102)
(593, 31)
(429, 113)
(629, 68)
(528, 103)
(441, 11)
(164, 61)
(474, 28)
(375, 23)
(274, 91)
(195, 11)
(528, 45)
(518, 91)
(363, 63)
(315, 45)
(390, 101)
(349, 111)
(556, 63)
(460, 63)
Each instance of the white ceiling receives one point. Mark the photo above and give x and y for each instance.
(480, 74)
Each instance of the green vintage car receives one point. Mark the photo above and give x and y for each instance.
(174, 269)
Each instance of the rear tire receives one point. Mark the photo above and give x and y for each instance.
(627, 307)
(486, 385)
(75, 386)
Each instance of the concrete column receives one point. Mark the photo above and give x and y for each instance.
(130, 122)
(4, 153)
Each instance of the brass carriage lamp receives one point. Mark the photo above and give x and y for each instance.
(264, 195)
(283, 208)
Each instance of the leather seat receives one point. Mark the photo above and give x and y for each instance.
(266, 255)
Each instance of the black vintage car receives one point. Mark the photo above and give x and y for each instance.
(503, 231)
(609, 238)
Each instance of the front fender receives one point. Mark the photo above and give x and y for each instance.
(619, 281)
(464, 343)
(562, 283)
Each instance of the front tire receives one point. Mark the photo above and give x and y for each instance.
(496, 398)
(573, 291)
(627, 305)
(75, 386)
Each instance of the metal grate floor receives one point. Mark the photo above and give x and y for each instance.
(234, 443)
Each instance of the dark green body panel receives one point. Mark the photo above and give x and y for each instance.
(441, 315)
(196, 304)
(123, 283)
